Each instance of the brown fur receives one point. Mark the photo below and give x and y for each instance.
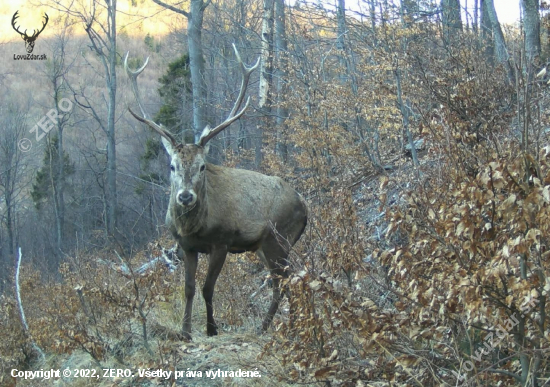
(235, 211)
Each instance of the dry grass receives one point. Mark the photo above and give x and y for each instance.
(226, 352)
(238, 346)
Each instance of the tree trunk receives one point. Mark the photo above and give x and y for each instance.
(405, 115)
(383, 6)
(372, 11)
(476, 16)
(409, 10)
(54, 182)
(341, 40)
(58, 183)
(531, 25)
(60, 218)
(281, 47)
(501, 53)
(111, 141)
(9, 219)
(341, 18)
(452, 24)
(195, 18)
(196, 64)
(12, 179)
(266, 75)
(486, 29)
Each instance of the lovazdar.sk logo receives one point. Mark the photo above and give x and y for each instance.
(29, 40)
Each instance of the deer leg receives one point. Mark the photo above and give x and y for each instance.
(215, 264)
(275, 258)
(190, 261)
(274, 303)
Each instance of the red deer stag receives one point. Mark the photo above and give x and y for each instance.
(215, 210)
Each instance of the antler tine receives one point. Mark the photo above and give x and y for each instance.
(133, 80)
(208, 134)
(246, 77)
(15, 16)
(157, 128)
(35, 34)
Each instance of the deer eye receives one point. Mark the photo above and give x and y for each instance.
(172, 168)
(202, 167)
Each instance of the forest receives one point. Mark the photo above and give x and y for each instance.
(417, 133)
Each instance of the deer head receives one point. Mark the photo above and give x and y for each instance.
(29, 40)
(187, 166)
(188, 161)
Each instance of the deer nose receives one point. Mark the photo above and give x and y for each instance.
(185, 197)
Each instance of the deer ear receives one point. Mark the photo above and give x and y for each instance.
(168, 146)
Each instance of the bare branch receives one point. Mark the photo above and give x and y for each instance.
(168, 258)
(172, 8)
(20, 305)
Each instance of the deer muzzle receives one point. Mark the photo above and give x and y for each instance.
(186, 198)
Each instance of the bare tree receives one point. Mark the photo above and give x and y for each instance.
(409, 8)
(12, 170)
(281, 51)
(531, 26)
(500, 50)
(56, 72)
(266, 73)
(102, 33)
(195, 18)
(452, 24)
(341, 18)
(475, 22)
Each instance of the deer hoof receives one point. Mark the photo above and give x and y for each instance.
(185, 336)
(266, 324)
(211, 330)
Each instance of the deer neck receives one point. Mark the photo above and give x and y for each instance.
(189, 221)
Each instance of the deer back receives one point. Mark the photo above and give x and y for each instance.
(238, 208)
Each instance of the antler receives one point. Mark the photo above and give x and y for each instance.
(133, 79)
(15, 16)
(208, 133)
(35, 34)
(24, 34)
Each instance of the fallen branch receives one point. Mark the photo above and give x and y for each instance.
(264, 284)
(20, 306)
(169, 258)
